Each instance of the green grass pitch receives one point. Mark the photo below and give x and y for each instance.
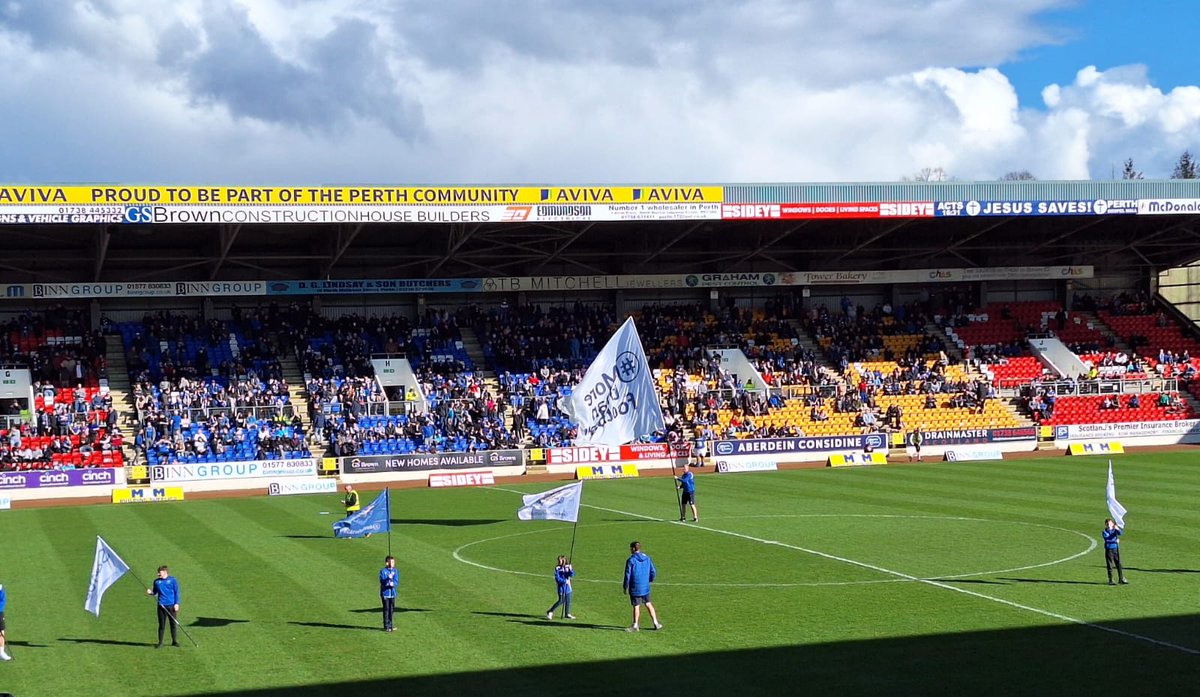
(955, 579)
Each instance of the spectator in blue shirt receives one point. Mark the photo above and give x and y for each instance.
(687, 485)
(3, 601)
(1112, 551)
(167, 590)
(562, 578)
(639, 574)
(389, 579)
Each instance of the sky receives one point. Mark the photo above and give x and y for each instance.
(291, 92)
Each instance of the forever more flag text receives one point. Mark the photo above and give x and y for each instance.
(374, 518)
(616, 402)
(557, 504)
(107, 567)
(1115, 510)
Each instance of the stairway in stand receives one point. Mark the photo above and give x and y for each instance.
(296, 397)
(121, 391)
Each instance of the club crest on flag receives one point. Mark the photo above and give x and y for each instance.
(557, 504)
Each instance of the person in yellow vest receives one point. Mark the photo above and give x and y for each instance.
(351, 501)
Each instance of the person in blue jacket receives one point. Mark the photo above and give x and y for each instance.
(687, 485)
(562, 578)
(639, 574)
(389, 579)
(167, 590)
(3, 601)
(1112, 551)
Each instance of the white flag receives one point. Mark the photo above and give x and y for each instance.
(107, 567)
(557, 504)
(1115, 510)
(616, 402)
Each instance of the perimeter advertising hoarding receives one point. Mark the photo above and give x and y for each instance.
(222, 471)
(48, 479)
(147, 494)
(783, 446)
(377, 464)
(979, 436)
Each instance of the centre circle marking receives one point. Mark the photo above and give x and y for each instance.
(1092, 544)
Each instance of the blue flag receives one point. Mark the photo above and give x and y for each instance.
(107, 567)
(375, 518)
(557, 504)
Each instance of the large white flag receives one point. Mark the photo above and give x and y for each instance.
(1115, 510)
(616, 403)
(107, 567)
(557, 504)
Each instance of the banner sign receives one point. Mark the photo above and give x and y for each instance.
(857, 459)
(1168, 206)
(772, 446)
(973, 454)
(145, 494)
(217, 471)
(1105, 448)
(975, 436)
(1033, 208)
(559, 213)
(46, 479)
(606, 472)
(161, 289)
(809, 211)
(302, 486)
(509, 284)
(730, 467)
(484, 478)
(61, 215)
(655, 451)
(622, 453)
(101, 195)
(1124, 431)
(5, 503)
(372, 286)
(375, 464)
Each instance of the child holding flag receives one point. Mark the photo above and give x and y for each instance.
(562, 577)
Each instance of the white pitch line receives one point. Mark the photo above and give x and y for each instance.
(900, 574)
(1092, 544)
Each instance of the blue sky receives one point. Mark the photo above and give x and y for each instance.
(1159, 34)
(294, 92)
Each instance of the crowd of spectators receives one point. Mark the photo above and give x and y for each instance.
(856, 334)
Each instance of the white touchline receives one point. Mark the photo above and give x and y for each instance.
(900, 574)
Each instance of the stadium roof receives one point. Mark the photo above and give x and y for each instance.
(1114, 225)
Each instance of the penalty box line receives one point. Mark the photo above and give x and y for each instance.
(908, 577)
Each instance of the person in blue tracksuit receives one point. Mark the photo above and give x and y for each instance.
(167, 590)
(687, 487)
(562, 578)
(389, 579)
(639, 574)
(1112, 551)
(3, 601)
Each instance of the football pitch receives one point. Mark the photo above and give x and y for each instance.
(935, 578)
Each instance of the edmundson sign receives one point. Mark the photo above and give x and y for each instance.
(376, 464)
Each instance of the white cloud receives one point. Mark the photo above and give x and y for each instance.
(276, 91)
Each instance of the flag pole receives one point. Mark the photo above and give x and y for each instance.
(387, 490)
(173, 618)
(675, 482)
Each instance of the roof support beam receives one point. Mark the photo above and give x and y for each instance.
(344, 239)
(886, 231)
(103, 236)
(229, 233)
